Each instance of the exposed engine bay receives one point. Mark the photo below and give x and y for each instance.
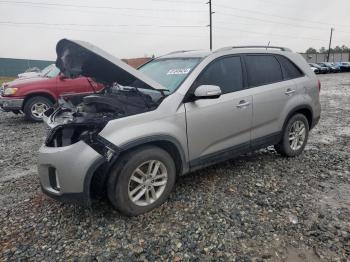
(83, 117)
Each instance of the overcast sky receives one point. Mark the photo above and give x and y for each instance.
(134, 28)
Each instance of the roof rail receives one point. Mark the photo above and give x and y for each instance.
(179, 51)
(253, 46)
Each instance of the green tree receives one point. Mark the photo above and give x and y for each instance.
(311, 50)
(323, 50)
(337, 49)
(345, 48)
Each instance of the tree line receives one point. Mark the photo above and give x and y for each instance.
(323, 50)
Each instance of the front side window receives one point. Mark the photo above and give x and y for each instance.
(170, 72)
(225, 73)
(263, 70)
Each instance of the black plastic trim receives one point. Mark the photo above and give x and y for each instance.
(235, 151)
(69, 198)
(159, 138)
(220, 156)
(266, 141)
(88, 177)
(315, 121)
(295, 109)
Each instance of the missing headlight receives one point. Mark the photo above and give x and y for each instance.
(66, 135)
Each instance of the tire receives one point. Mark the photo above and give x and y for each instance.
(121, 187)
(286, 147)
(41, 103)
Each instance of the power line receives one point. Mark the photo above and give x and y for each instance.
(95, 25)
(100, 7)
(179, 1)
(112, 32)
(273, 22)
(282, 17)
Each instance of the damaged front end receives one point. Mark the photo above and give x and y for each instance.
(82, 118)
(75, 158)
(127, 92)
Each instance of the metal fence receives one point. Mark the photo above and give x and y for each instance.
(13, 67)
(333, 57)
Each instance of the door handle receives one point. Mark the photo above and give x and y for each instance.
(289, 91)
(243, 104)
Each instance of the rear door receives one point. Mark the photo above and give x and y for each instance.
(273, 90)
(216, 126)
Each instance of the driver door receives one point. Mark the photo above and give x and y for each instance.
(218, 129)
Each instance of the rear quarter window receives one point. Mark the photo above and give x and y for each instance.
(289, 69)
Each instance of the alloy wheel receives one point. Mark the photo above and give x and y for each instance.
(38, 109)
(147, 182)
(297, 134)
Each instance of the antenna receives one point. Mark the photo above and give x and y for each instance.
(268, 44)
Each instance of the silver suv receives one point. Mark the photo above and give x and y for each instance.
(175, 114)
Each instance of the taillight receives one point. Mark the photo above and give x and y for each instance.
(319, 85)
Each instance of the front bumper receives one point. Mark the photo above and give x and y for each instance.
(9, 103)
(65, 172)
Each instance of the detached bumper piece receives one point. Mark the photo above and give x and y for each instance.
(9, 104)
(65, 172)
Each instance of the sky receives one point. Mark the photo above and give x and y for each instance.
(30, 29)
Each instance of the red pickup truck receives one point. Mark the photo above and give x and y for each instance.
(33, 96)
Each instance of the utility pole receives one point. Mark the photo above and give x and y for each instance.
(210, 26)
(330, 44)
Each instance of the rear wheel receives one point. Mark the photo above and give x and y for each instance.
(35, 107)
(294, 137)
(141, 181)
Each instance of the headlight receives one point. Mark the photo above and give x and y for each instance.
(10, 91)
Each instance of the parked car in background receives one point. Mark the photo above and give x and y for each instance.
(344, 66)
(321, 69)
(30, 72)
(332, 68)
(314, 69)
(38, 72)
(33, 96)
(337, 67)
(175, 114)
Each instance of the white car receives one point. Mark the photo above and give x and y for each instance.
(315, 69)
(37, 73)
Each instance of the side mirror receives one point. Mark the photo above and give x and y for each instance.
(207, 92)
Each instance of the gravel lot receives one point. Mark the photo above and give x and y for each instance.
(259, 207)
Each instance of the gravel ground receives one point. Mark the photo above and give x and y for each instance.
(259, 207)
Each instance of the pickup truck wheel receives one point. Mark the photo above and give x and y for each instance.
(294, 137)
(35, 107)
(141, 181)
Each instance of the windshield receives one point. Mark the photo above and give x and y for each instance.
(53, 72)
(170, 72)
(46, 69)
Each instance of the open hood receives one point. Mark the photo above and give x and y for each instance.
(75, 58)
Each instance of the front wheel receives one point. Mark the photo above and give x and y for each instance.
(294, 137)
(141, 181)
(35, 107)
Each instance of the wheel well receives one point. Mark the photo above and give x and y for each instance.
(38, 94)
(100, 177)
(306, 112)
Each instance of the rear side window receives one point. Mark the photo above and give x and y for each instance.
(290, 70)
(263, 70)
(225, 73)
